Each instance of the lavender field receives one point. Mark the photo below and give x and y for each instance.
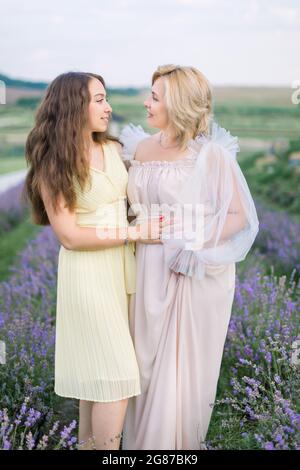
(258, 400)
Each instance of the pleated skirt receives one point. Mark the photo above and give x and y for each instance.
(94, 354)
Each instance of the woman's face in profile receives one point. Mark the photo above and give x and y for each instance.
(99, 110)
(155, 104)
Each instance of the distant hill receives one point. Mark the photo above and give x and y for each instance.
(17, 89)
(255, 95)
(16, 83)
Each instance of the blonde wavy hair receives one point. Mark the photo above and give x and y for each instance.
(188, 97)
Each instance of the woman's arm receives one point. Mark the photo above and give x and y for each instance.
(74, 237)
(235, 220)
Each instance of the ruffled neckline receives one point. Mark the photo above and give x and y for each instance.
(131, 135)
(186, 161)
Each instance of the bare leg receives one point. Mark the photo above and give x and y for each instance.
(85, 432)
(101, 424)
(107, 423)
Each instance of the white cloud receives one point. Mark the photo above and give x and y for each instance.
(40, 55)
(285, 14)
(232, 42)
(57, 19)
(197, 3)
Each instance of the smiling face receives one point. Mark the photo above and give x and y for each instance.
(98, 110)
(155, 104)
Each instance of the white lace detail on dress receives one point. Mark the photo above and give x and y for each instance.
(130, 136)
(218, 135)
(218, 184)
(230, 223)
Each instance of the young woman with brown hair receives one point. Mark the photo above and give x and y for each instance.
(77, 183)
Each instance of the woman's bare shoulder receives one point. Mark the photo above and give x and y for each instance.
(145, 148)
(117, 144)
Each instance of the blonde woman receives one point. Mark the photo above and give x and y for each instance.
(77, 183)
(185, 285)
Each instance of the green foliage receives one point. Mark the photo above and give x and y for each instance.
(123, 91)
(278, 182)
(31, 102)
(13, 242)
(257, 110)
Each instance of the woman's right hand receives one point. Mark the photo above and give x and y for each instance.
(148, 232)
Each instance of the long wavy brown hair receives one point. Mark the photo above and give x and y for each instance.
(55, 146)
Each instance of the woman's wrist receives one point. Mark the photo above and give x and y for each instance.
(132, 235)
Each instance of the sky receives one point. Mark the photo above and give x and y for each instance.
(233, 42)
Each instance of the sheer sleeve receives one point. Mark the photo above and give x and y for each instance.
(217, 190)
(130, 136)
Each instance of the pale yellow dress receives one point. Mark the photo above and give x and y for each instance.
(94, 354)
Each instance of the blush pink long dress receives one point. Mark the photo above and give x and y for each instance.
(178, 324)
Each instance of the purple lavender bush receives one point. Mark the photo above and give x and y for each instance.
(30, 430)
(12, 208)
(27, 327)
(259, 406)
(279, 238)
